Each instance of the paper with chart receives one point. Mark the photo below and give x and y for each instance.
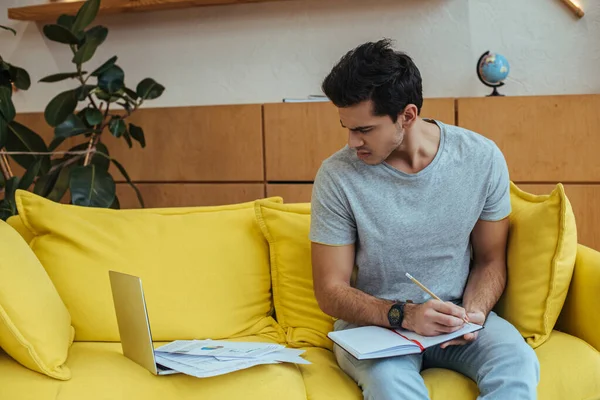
(206, 358)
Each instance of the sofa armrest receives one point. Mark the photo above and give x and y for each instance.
(580, 315)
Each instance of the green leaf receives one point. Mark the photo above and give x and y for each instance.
(6, 210)
(21, 138)
(133, 95)
(55, 143)
(149, 89)
(102, 95)
(8, 29)
(112, 80)
(8, 206)
(60, 107)
(60, 77)
(117, 127)
(9, 192)
(138, 134)
(60, 34)
(20, 77)
(128, 179)
(93, 38)
(85, 15)
(104, 66)
(82, 91)
(7, 108)
(72, 126)
(66, 21)
(101, 160)
(30, 174)
(3, 132)
(128, 139)
(61, 184)
(93, 116)
(116, 205)
(92, 187)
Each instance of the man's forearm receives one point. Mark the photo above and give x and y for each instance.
(484, 287)
(355, 306)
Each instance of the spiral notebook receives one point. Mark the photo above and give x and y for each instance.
(368, 342)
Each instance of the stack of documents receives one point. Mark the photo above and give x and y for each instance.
(206, 358)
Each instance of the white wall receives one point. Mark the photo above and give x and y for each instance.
(256, 53)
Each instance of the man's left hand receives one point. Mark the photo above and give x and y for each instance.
(476, 317)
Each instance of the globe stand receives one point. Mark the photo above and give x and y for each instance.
(495, 86)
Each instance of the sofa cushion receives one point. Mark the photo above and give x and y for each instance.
(101, 372)
(17, 223)
(324, 380)
(286, 228)
(35, 326)
(569, 369)
(542, 246)
(205, 270)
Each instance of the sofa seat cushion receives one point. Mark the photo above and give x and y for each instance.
(101, 372)
(205, 270)
(569, 369)
(324, 379)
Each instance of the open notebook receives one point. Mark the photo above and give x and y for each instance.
(377, 342)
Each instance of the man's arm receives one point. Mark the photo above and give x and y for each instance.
(488, 274)
(332, 269)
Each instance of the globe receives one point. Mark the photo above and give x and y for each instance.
(492, 70)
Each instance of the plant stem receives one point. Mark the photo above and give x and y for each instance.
(96, 137)
(5, 167)
(64, 164)
(91, 144)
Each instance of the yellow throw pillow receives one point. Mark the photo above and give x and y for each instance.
(17, 224)
(205, 270)
(542, 245)
(286, 228)
(35, 326)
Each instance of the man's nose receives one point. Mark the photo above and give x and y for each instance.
(354, 140)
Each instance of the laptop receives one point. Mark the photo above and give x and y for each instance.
(134, 326)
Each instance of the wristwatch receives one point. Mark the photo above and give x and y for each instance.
(396, 315)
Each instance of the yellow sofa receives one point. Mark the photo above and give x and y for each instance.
(238, 272)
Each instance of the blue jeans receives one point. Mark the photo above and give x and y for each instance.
(502, 364)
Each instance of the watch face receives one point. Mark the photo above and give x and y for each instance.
(395, 314)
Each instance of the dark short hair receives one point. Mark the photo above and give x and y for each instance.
(374, 71)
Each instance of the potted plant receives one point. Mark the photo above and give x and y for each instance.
(83, 170)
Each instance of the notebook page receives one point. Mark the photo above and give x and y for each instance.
(369, 339)
(428, 341)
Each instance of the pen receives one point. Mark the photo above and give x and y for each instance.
(409, 276)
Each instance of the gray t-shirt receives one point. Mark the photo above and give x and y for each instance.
(417, 223)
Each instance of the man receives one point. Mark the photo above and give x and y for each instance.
(419, 196)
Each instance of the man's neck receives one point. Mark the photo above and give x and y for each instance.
(418, 149)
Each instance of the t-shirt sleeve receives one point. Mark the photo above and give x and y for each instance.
(497, 204)
(332, 222)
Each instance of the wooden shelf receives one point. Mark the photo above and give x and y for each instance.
(51, 11)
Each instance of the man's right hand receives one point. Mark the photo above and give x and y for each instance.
(433, 317)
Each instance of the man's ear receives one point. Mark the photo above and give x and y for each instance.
(409, 115)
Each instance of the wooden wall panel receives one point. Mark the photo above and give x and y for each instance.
(299, 136)
(206, 143)
(584, 201)
(291, 193)
(544, 138)
(189, 194)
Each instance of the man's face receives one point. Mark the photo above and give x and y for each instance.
(374, 138)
